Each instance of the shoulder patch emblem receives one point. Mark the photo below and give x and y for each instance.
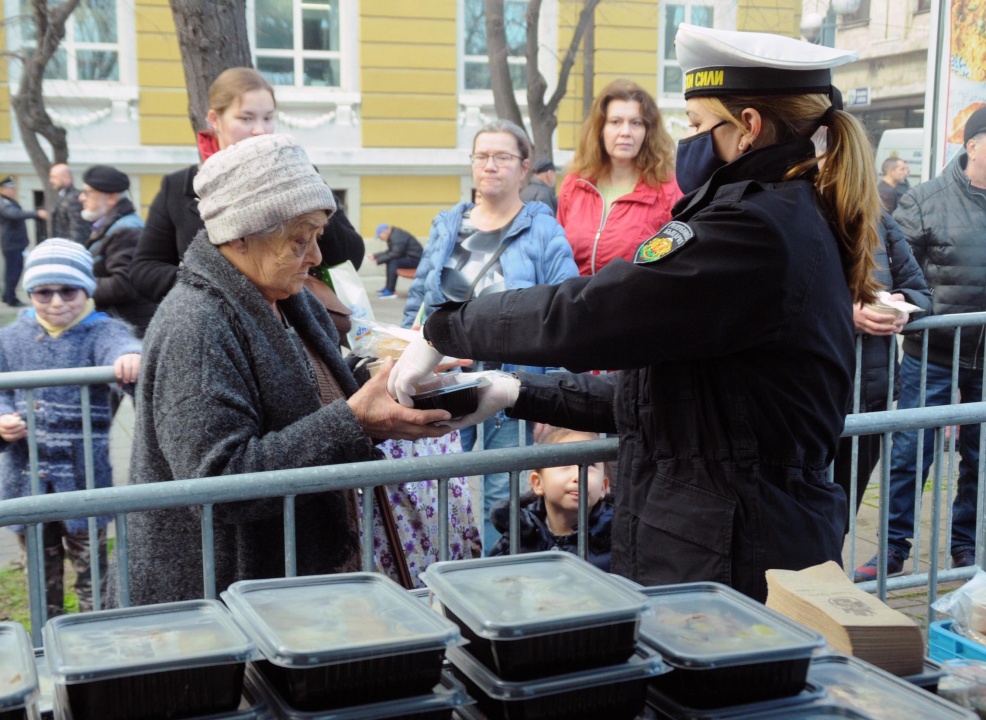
(669, 238)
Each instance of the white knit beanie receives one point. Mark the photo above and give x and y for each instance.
(257, 184)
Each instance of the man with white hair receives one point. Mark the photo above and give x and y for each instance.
(66, 218)
(116, 228)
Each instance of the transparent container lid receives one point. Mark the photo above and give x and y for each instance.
(516, 596)
(18, 678)
(645, 663)
(707, 625)
(328, 619)
(139, 640)
(852, 683)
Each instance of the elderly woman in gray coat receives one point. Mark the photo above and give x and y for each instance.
(242, 373)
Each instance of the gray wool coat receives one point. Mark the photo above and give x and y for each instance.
(223, 390)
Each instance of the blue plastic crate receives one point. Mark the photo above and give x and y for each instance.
(943, 644)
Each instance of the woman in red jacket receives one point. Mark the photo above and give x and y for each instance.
(620, 186)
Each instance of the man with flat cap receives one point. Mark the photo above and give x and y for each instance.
(944, 220)
(116, 228)
(13, 237)
(542, 185)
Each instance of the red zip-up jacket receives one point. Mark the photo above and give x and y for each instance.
(632, 219)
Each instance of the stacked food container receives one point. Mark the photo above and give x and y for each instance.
(549, 636)
(352, 646)
(18, 679)
(169, 661)
(727, 651)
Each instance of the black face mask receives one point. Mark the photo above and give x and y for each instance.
(696, 160)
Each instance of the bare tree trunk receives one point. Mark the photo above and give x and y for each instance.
(589, 67)
(29, 107)
(212, 35)
(504, 100)
(544, 115)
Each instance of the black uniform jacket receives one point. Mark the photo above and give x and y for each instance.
(736, 351)
(173, 221)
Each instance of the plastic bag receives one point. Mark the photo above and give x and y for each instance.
(965, 684)
(967, 607)
(383, 340)
(349, 288)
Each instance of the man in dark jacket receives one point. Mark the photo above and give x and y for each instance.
(66, 219)
(115, 230)
(944, 220)
(13, 237)
(403, 251)
(542, 185)
(895, 171)
(877, 330)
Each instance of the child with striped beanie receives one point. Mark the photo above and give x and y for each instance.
(62, 329)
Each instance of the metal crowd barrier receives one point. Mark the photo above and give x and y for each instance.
(287, 484)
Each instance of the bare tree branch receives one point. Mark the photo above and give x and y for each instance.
(544, 116)
(29, 106)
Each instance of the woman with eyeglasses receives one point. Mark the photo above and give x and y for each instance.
(477, 250)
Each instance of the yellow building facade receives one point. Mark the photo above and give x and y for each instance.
(386, 95)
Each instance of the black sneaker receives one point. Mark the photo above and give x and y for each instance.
(15, 303)
(868, 570)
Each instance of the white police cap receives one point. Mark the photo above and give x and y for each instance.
(725, 62)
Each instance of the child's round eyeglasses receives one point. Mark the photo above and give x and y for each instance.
(44, 295)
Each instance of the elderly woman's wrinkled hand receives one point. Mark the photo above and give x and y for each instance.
(417, 362)
(383, 418)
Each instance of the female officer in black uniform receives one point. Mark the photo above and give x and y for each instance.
(733, 327)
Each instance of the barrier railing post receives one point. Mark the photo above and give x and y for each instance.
(367, 534)
(208, 554)
(96, 572)
(443, 522)
(290, 538)
(583, 511)
(122, 553)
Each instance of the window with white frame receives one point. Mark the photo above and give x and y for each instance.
(297, 42)
(671, 78)
(91, 48)
(476, 63)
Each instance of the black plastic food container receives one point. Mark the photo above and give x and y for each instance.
(333, 641)
(726, 648)
(18, 678)
(438, 704)
(539, 614)
(854, 684)
(666, 708)
(459, 398)
(616, 692)
(169, 661)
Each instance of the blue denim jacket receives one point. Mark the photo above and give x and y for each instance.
(538, 253)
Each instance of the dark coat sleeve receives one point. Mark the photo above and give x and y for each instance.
(9, 211)
(155, 259)
(578, 402)
(340, 241)
(911, 221)
(115, 288)
(907, 276)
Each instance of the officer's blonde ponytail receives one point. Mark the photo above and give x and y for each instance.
(847, 182)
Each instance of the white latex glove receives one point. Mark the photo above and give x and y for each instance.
(499, 395)
(417, 362)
